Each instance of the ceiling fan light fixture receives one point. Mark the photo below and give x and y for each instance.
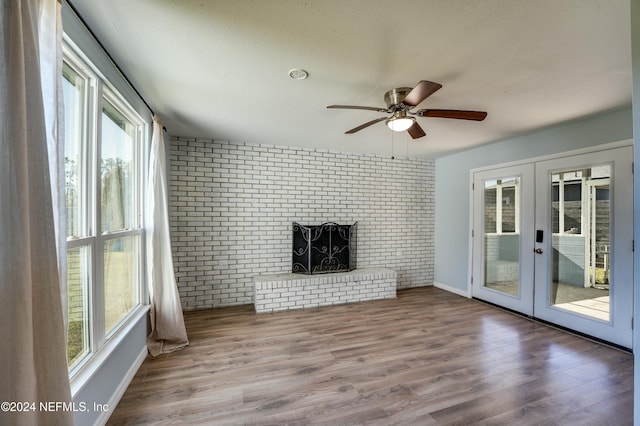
(400, 124)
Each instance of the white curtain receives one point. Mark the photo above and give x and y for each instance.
(50, 43)
(33, 365)
(168, 332)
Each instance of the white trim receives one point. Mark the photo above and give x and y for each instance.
(122, 387)
(453, 290)
(471, 237)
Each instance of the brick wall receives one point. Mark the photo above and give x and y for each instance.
(232, 205)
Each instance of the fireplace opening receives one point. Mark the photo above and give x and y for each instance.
(326, 248)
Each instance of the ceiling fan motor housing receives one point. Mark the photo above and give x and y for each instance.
(395, 96)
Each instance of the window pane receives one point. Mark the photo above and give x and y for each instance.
(121, 279)
(73, 86)
(490, 219)
(117, 173)
(78, 304)
(509, 209)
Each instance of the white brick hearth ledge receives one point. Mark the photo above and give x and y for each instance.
(281, 292)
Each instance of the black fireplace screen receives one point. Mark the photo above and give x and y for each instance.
(324, 248)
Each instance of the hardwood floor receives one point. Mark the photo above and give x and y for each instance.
(428, 357)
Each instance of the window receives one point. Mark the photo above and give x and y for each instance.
(572, 193)
(502, 206)
(105, 143)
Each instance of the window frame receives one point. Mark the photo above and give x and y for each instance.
(98, 90)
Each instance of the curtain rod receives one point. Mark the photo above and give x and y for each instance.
(115, 64)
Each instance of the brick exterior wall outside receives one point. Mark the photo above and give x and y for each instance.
(232, 205)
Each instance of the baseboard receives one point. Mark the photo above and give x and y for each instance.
(122, 387)
(450, 289)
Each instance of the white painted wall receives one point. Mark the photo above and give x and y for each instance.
(453, 182)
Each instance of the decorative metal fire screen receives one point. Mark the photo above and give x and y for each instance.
(324, 248)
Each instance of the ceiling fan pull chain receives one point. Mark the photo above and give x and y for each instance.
(393, 146)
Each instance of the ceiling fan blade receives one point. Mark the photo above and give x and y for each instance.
(422, 91)
(358, 107)
(416, 131)
(367, 124)
(453, 113)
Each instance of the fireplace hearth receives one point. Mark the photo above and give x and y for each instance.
(326, 248)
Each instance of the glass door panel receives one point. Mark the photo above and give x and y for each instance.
(502, 235)
(580, 209)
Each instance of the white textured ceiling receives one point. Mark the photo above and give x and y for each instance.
(218, 69)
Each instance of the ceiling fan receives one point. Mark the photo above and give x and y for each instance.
(402, 100)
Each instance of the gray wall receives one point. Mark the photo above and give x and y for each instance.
(232, 207)
(453, 181)
(110, 380)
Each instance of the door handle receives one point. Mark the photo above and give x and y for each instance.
(538, 250)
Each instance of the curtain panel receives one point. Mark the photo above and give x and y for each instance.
(33, 366)
(168, 332)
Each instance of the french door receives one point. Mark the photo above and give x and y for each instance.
(553, 239)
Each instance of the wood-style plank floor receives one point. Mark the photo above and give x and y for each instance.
(429, 357)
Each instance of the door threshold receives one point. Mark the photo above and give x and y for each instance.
(558, 327)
